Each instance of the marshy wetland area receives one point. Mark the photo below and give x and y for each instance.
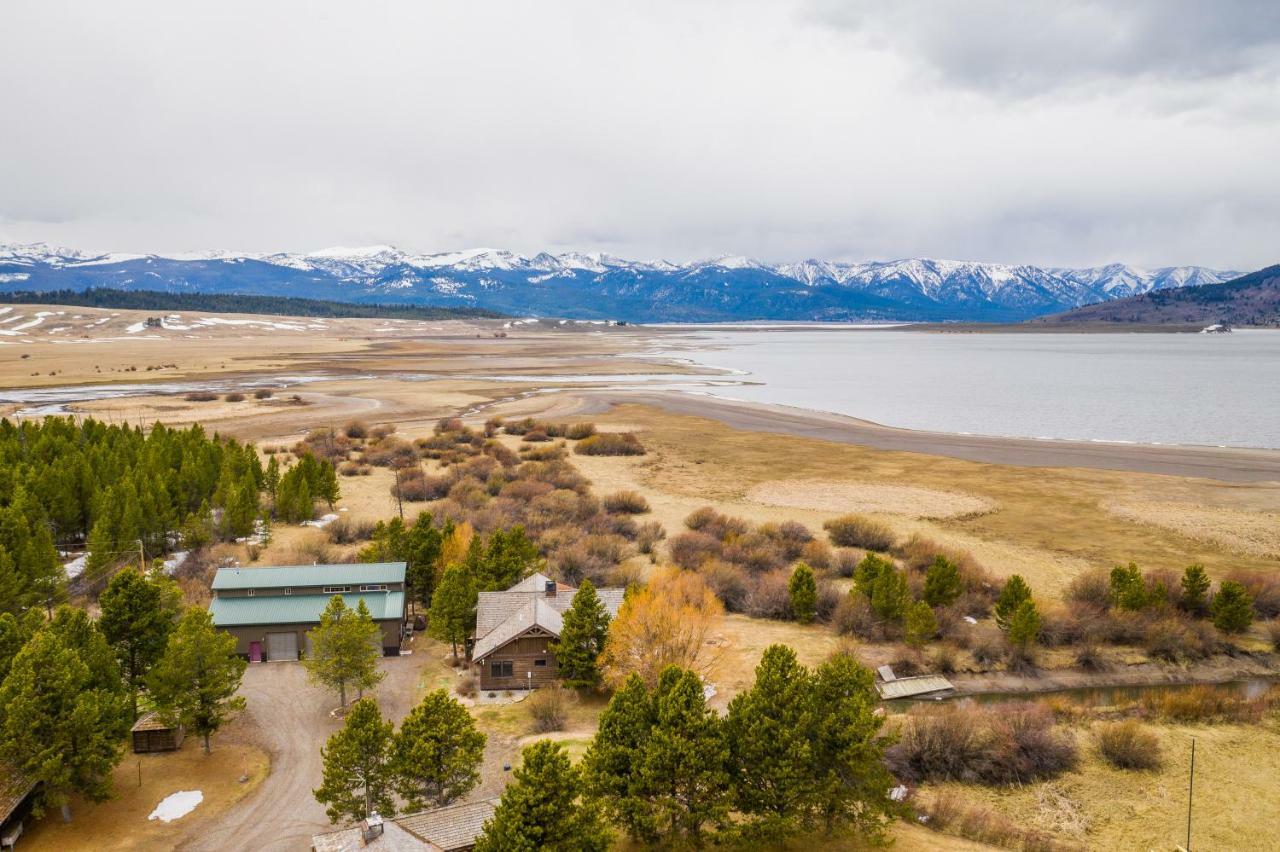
(1088, 745)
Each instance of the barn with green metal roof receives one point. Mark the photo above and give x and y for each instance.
(270, 610)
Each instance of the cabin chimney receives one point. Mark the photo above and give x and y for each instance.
(551, 588)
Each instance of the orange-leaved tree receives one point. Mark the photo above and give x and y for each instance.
(665, 623)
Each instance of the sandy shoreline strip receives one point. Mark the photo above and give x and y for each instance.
(1229, 464)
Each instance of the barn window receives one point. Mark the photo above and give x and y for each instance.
(500, 669)
(540, 663)
(336, 590)
(379, 587)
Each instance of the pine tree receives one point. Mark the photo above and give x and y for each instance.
(1195, 590)
(271, 479)
(771, 756)
(1024, 626)
(683, 765)
(890, 594)
(1232, 608)
(14, 633)
(436, 756)
(852, 782)
(138, 614)
(609, 765)
(504, 560)
(423, 544)
(194, 683)
(327, 488)
(453, 607)
(55, 728)
(1128, 588)
(868, 571)
(803, 592)
(357, 766)
(586, 626)
(942, 582)
(920, 624)
(345, 649)
(78, 633)
(1012, 596)
(542, 810)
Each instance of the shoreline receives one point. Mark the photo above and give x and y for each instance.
(1225, 464)
(1212, 672)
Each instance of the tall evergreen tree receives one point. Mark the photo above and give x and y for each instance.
(920, 624)
(542, 810)
(357, 766)
(890, 594)
(55, 728)
(942, 582)
(194, 683)
(345, 649)
(610, 765)
(803, 592)
(1024, 627)
(453, 607)
(436, 756)
(1195, 590)
(868, 571)
(138, 614)
(771, 755)
(1232, 608)
(79, 634)
(586, 626)
(1012, 596)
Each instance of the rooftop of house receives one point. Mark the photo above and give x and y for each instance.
(14, 787)
(447, 829)
(282, 576)
(299, 609)
(534, 601)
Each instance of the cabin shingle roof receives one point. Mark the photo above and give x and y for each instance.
(502, 616)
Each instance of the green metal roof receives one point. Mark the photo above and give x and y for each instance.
(308, 575)
(299, 609)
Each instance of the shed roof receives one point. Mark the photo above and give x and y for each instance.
(452, 827)
(14, 787)
(151, 722)
(299, 609)
(278, 576)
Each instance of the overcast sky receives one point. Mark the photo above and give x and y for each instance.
(1053, 133)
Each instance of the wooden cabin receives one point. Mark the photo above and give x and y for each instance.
(151, 734)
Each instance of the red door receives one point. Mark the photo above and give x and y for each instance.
(255, 652)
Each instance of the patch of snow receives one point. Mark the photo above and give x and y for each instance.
(29, 323)
(322, 522)
(177, 805)
(898, 793)
(7, 277)
(175, 561)
(75, 567)
(136, 327)
(970, 619)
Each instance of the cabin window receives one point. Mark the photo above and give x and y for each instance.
(542, 664)
(500, 669)
(377, 587)
(336, 590)
(286, 591)
(251, 593)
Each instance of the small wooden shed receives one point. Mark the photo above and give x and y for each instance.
(151, 734)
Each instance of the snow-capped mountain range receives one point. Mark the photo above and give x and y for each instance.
(593, 285)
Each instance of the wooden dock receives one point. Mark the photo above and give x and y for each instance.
(910, 687)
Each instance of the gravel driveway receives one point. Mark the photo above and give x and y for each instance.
(290, 719)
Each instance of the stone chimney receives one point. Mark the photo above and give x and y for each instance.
(551, 588)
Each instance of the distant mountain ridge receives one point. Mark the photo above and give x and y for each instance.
(1252, 299)
(599, 286)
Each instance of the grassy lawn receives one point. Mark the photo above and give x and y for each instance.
(121, 822)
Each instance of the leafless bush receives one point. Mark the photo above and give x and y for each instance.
(690, 549)
(756, 553)
(610, 444)
(626, 502)
(844, 561)
(769, 597)
(859, 531)
(708, 521)
(390, 452)
(351, 468)
(536, 436)
(728, 582)
(578, 431)
(545, 452)
(648, 535)
(235, 396)
(519, 427)
(356, 430)
(200, 396)
(346, 531)
(947, 813)
(467, 687)
(817, 554)
(1128, 745)
(549, 709)
(829, 598)
(853, 616)
(1209, 704)
(1090, 590)
(263, 393)
(1263, 588)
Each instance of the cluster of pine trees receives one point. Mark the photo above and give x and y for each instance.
(69, 685)
(126, 493)
(798, 753)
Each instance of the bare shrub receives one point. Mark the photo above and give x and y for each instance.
(947, 812)
(729, 582)
(356, 430)
(578, 431)
(1012, 743)
(390, 452)
(853, 616)
(1091, 590)
(346, 531)
(690, 549)
(988, 650)
(1128, 745)
(626, 502)
(1090, 658)
(610, 444)
(1263, 588)
(845, 561)
(263, 393)
(467, 687)
(1209, 704)
(545, 452)
(1273, 633)
(536, 436)
(200, 396)
(549, 709)
(769, 596)
(519, 427)
(756, 553)
(944, 659)
(859, 531)
(707, 520)
(829, 598)
(235, 396)
(648, 535)
(351, 468)
(817, 554)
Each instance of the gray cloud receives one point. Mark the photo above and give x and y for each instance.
(670, 128)
(1029, 48)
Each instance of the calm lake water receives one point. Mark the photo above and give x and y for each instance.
(1207, 389)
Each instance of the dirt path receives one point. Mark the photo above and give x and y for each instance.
(290, 719)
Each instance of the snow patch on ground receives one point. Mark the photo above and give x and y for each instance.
(136, 327)
(177, 805)
(322, 522)
(75, 567)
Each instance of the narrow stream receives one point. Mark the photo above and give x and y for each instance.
(1095, 696)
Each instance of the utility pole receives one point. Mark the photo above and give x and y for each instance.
(142, 556)
(1191, 786)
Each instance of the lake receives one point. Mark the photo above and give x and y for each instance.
(1203, 389)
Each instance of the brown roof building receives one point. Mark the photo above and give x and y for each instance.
(453, 828)
(514, 628)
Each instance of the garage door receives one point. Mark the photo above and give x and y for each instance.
(282, 646)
